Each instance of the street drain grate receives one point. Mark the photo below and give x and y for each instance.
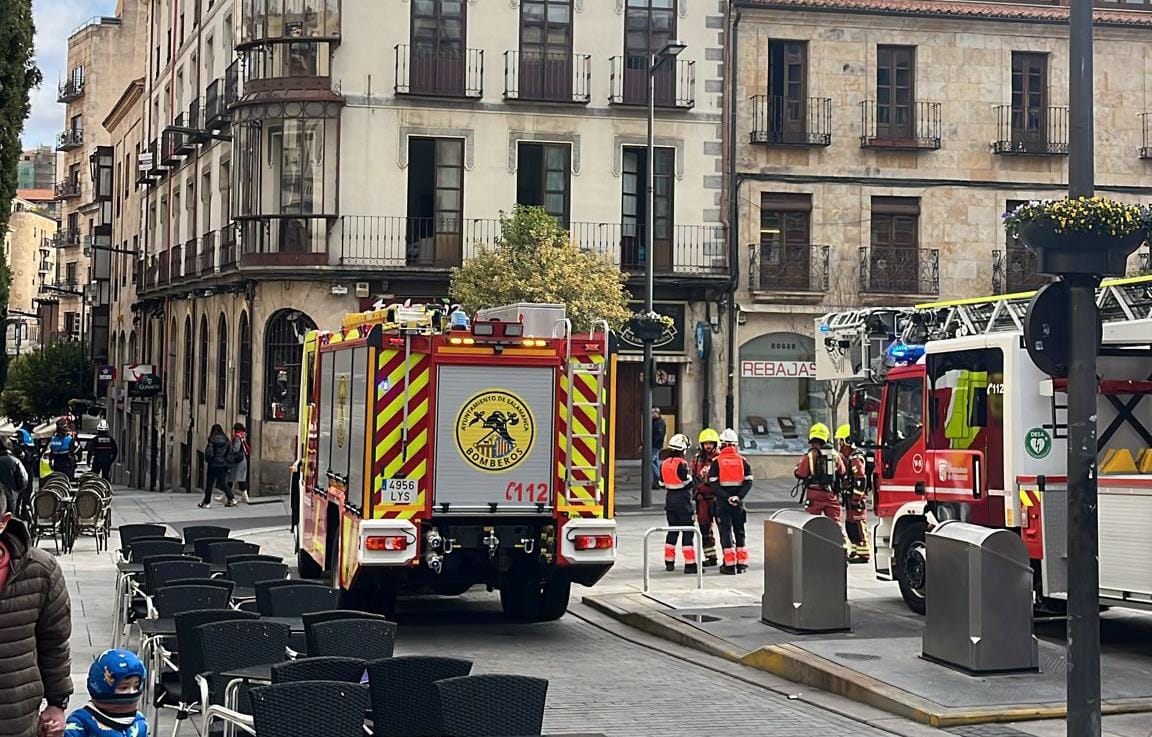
(861, 657)
(700, 618)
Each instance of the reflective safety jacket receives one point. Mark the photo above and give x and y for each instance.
(730, 473)
(62, 444)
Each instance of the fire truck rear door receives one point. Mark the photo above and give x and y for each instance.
(495, 439)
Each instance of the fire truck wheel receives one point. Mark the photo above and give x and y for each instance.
(912, 570)
(526, 600)
(308, 568)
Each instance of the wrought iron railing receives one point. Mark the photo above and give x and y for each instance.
(789, 267)
(439, 72)
(673, 84)
(70, 139)
(900, 127)
(533, 76)
(783, 121)
(1014, 270)
(207, 253)
(899, 270)
(70, 89)
(1145, 137)
(191, 258)
(1031, 130)
(67, 188)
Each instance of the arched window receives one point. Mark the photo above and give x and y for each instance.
(283, 341)
(188, 359)
(244, 361)
(202, 395)
(132, 348)
(221, 362)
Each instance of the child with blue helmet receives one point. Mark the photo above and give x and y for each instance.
(115, 684)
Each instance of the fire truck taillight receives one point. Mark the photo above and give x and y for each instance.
(593, 542)
(386, 542)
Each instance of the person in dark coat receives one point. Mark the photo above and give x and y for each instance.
(216, 457)
(35, 626)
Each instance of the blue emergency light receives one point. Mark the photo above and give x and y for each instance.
(902, 354)
(459, 320)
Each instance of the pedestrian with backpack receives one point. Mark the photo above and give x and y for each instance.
(238, 454)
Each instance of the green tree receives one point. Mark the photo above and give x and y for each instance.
(535, 261)
(47, 382)
(18, 75)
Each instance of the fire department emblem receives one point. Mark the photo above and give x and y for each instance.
(495, 431)
(342, 412)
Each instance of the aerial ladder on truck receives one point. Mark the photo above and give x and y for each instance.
(960, 423)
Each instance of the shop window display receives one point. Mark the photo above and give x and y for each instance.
(779, 395)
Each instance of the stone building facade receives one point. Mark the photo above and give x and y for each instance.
(30, 257)
(876, 155)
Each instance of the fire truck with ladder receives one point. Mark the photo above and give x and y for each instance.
(960, 423)
(437, 453)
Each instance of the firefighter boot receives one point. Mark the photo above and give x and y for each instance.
(729, 567)
(669, 557)
(741, 560)
(690, 560)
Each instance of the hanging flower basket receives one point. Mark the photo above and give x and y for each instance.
(1087, 235)
(648, 327)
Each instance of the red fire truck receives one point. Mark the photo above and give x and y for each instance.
(961, 424)
(441, 454)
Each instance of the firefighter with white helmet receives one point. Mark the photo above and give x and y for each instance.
(676, 477)
(705, 494)
(731, 475)
(817, 470)
(102, 451)
(851, 484)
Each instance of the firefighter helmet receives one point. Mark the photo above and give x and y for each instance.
(679, 442)
(819, 431)
(708, 435)
(102, 426)
(843, 432)
(728, 437)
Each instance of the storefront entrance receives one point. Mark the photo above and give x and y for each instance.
(630, 405)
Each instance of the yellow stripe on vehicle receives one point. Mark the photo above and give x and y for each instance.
(1025, 500)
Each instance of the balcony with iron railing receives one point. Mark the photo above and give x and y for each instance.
(673, 86)
(163, 274)
(194, 124)
(191, 259)
(66, 237)
(172, 143)
(457, 73)
(70, 139)
(67, 189)
(783, 121)
(1036, 131)
(70, 89)
(534, 76)
(1146, 136)
(1015, 270)
(207, 263)
(912, 127)
(218, 97)
(899, 273)
(228, 248)
(382, 242)
(789, 272)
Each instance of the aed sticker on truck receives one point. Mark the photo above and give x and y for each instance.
(495, 431)
(398, 491)
(1038, 442)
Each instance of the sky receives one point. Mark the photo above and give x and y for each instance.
(55, 20)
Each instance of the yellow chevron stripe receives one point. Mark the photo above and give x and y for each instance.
(1025, 500)
(415, 445)
(417, 414)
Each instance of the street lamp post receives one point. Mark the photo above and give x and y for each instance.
(670, 51)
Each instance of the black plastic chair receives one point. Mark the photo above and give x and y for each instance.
(262, 589)
(192, 533)
(492, 704)
(216, 583)
(297, 709)
(179, 690)
(236, 644)
(346, 670)
(128, 533)
(256, 556)
(159, 573)
(200, 547)
(351, 638)
(142, 549)
(219, 552)
(301, 598)
(405, 685)
(248, 573)
(173, 600)
(312, 619)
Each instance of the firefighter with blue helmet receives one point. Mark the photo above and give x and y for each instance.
(115, 686)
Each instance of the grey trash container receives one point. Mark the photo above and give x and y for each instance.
(805, 573)
(979, 600)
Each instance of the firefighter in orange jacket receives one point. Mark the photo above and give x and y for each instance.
(819, 479)
(706, 514)
(731, 476)
(852, 492)
(678, 482)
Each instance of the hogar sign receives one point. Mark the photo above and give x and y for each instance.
(778, 369)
